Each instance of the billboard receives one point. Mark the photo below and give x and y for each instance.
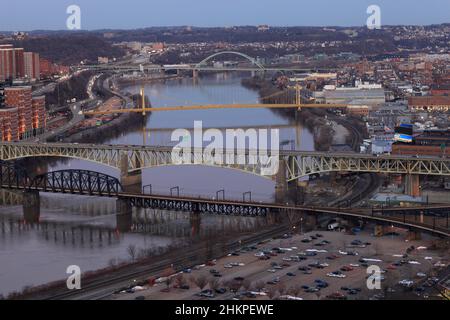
(404, 133)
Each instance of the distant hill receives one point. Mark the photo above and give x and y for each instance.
(70, 49)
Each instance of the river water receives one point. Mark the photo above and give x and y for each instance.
(81, 230)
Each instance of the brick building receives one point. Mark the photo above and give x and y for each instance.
(12, 64)
(32, 65)
(9, 124)
(428, 103)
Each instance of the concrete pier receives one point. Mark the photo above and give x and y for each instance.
(31, 206)
(124, 215)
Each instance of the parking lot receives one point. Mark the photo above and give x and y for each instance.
(316, 265)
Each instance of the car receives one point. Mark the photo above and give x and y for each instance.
(406, 283)
(187, 270)
(336, 296)
(264, 257)
(311, 290)
(318, 235)
(220, 290)
(306, 240)
(272, 270)
(352, 292)
(354, 265)
(239, 279)
(305, 287)
(185, 287)
(345, 288)
(277, 267)
(139, 298)
(336, 274)
(313, 237)
(217, 275)
(228, 266)
(346, 268)
(285, 264)
(290, 274)
(421, 274)
(304, 268)
(213, 271)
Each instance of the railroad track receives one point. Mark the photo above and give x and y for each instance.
(101, 289)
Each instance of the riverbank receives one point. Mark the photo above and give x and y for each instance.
(314, 119)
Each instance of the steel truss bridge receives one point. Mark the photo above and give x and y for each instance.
(293, 164)
(83, 182)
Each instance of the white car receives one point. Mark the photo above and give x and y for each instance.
(354, 265)
(272, 270)
(228, 266)
(421, 274)
(336, 275)
(406, 283)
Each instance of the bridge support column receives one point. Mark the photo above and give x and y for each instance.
(380, 230)
(31, 206)
(195, 220)
(281, 184)
(131, 182)
(124, 215)
(413, 235)
(194, 74)
(412, 185)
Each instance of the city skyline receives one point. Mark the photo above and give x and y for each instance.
(49, 16)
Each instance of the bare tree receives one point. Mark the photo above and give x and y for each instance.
(246, 284)
(281, 289)
(132, 251)
(214, 283)
(295, 290)
(180, 280)
(272, 293)
(259, 285)
(200, 281)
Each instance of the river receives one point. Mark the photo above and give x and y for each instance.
(36, 254)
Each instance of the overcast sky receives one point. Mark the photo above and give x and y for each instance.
(28, 15)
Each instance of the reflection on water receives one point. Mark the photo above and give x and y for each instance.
(82, 230)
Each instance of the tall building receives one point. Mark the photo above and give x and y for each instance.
(32, 65)
(20, 98)
(38, 111)
(12, 64)
(9, 124)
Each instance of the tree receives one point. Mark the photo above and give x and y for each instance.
(259, 285)
(246, 284)
(200, 281)
(132, 251)
(272, 293)
(281, 289)
(295, 290)
(214, 284)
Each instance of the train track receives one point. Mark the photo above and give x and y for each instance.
(103, 288)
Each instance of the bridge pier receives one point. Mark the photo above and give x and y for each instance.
(413, 235)
(194, 74)
(412, 185)
(31, 206)
(131, 182)
(281, 184)
(195, 220)
(124, 215)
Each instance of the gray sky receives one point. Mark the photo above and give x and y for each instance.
(128, 14)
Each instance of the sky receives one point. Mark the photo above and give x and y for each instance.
(26, 15)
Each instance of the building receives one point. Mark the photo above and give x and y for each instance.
(12, 64)
(9, 124)
(362, 94)
(430, 143)
(32, 65)
(429, 103)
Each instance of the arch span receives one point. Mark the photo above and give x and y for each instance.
(252, 60)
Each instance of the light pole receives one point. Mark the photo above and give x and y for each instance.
(175, 188)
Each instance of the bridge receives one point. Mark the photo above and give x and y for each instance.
(293, 164)
(83, 182)
(201, 66)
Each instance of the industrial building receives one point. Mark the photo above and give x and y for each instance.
(429, 143)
